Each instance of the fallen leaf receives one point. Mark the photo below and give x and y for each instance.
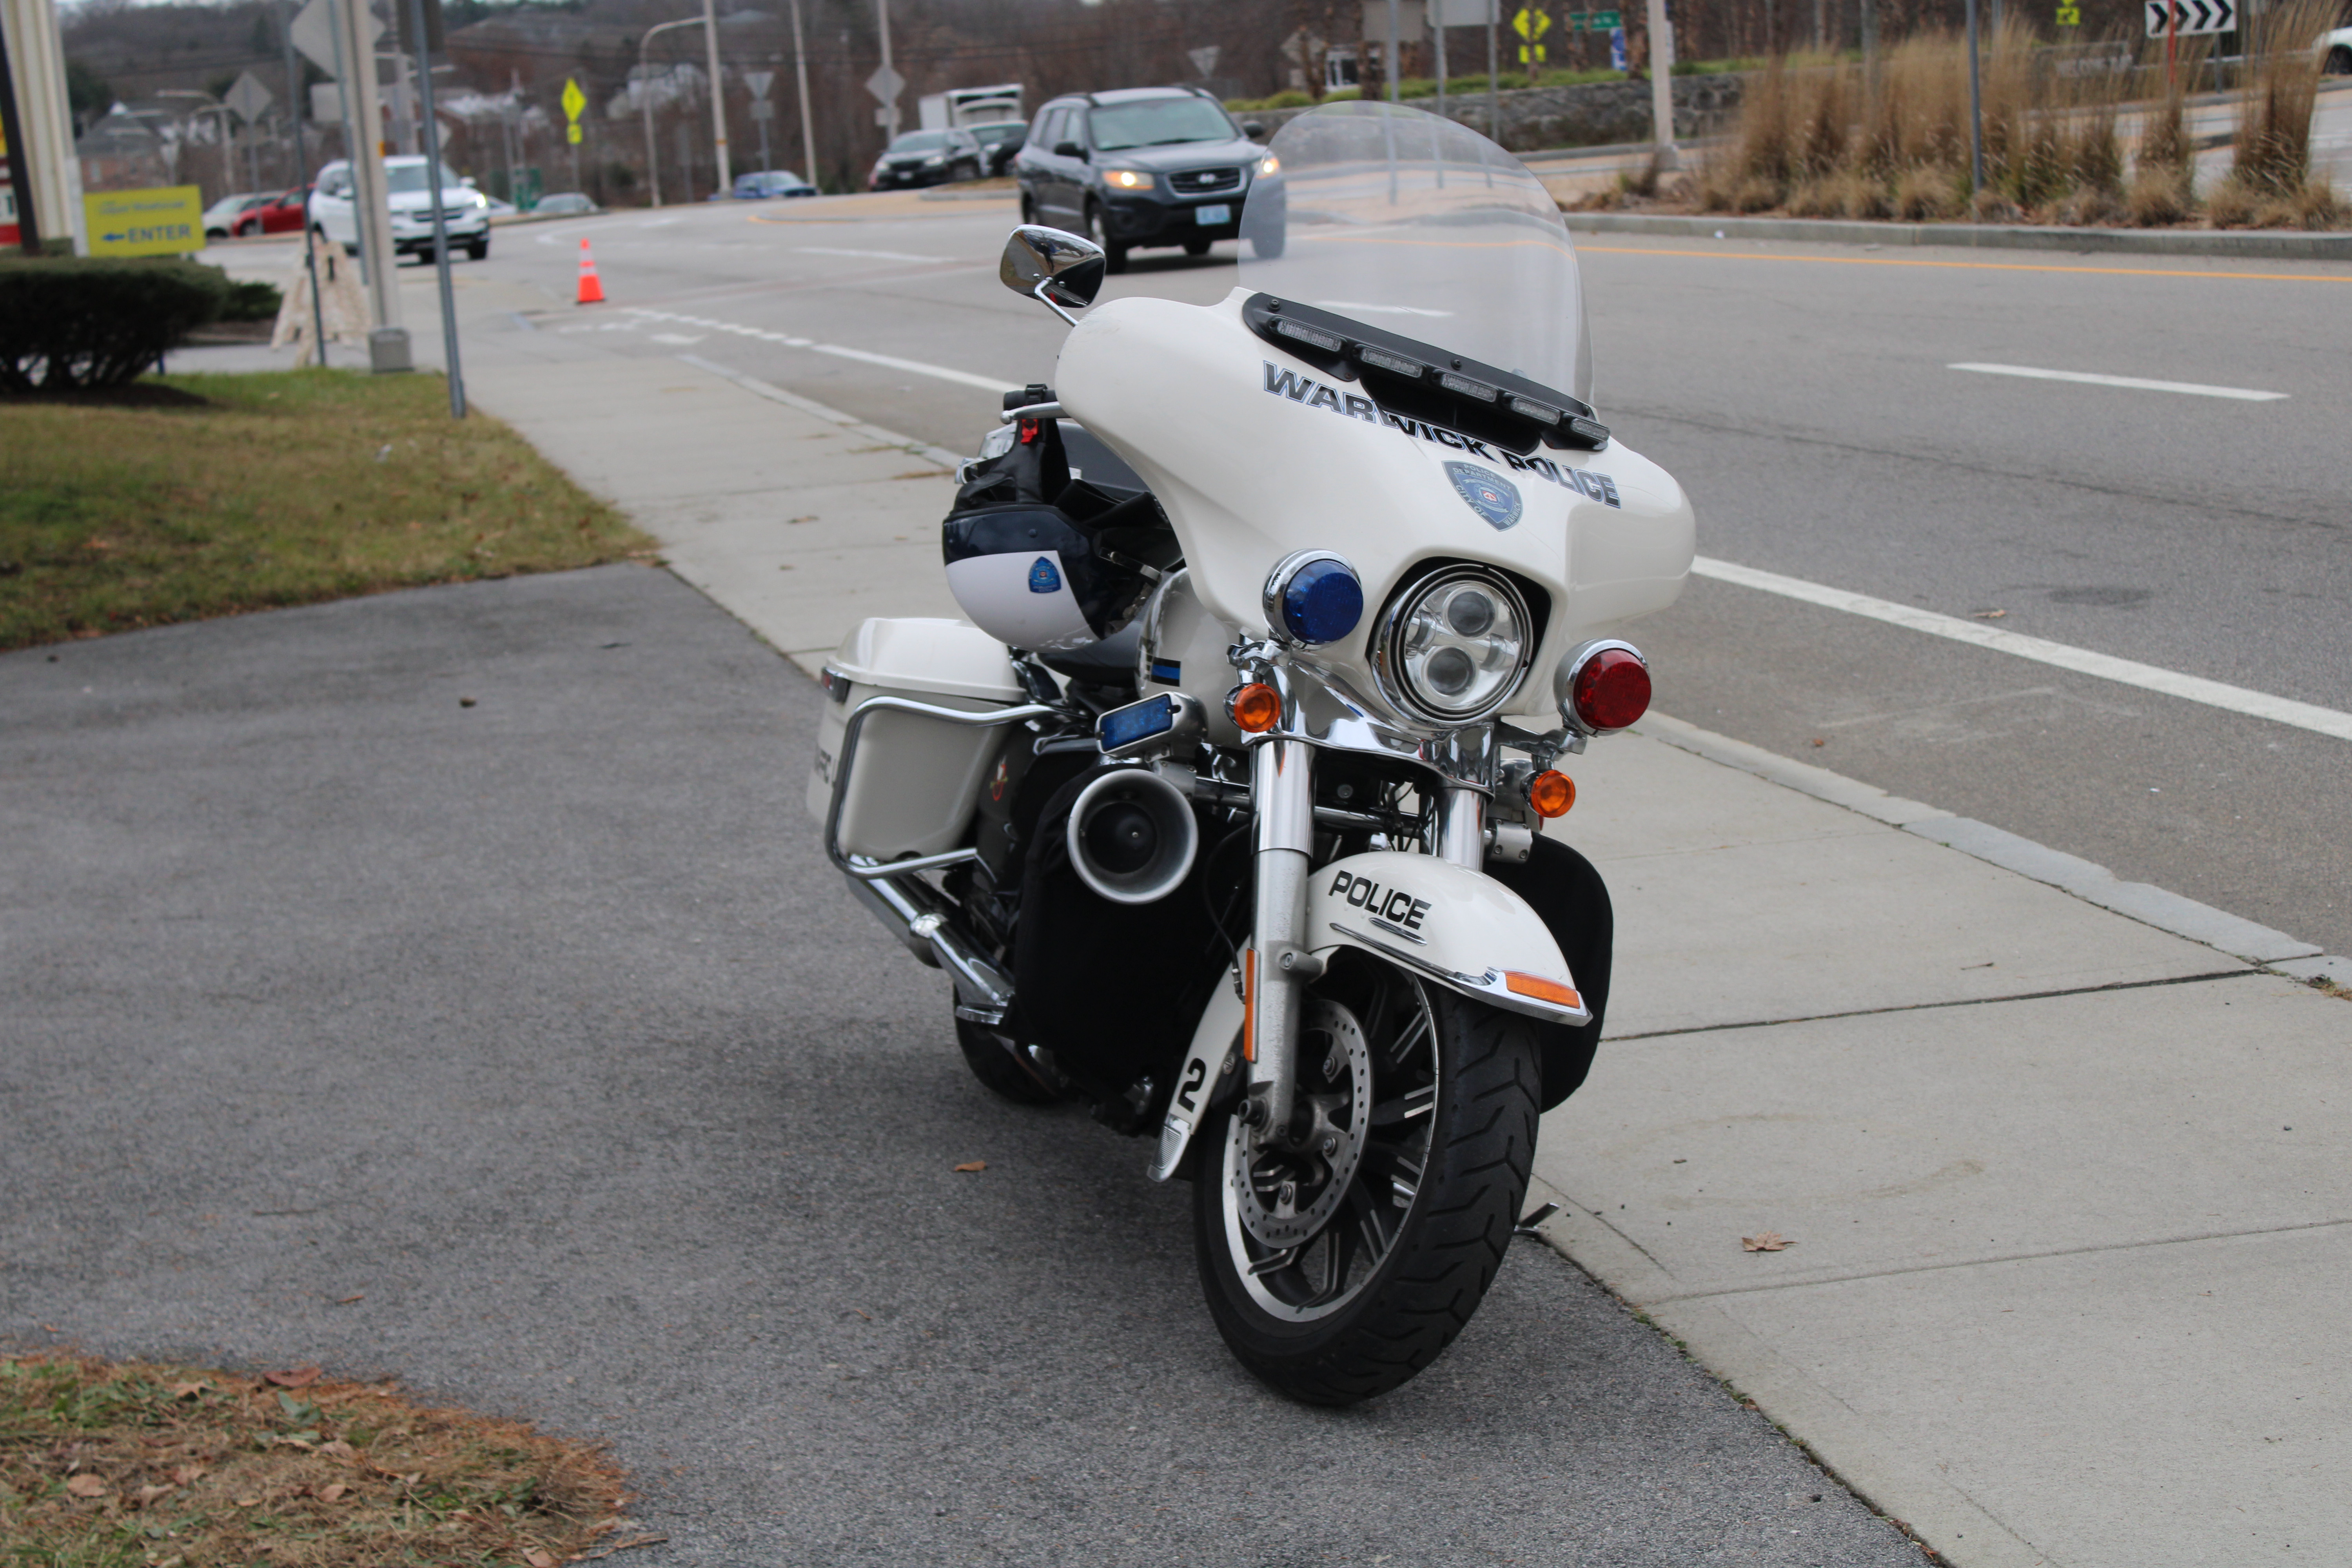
(970, 1165)
(299, 1377)
(1767, 1241)
(86, 1486)
(339, 1450)
(347, 1300)
(249, 1502)
(332, 1492)
(1988, 615)
(537, 1559)
(188, 1390)
(148, 1494)
(188, 1475)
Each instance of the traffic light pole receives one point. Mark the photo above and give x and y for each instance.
(440, 219)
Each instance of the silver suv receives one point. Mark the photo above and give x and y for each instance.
(465, 212)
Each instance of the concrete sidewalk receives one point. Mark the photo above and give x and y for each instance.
(1944, 1063)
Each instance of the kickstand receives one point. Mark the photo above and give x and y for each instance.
(1533, 1218)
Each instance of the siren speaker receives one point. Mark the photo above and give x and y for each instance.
(1132, 835)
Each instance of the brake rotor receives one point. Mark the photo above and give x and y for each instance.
(1286, 1194)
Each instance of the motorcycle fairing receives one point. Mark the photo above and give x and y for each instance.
(1251, 461)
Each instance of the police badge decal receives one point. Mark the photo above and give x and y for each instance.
(1485, 492)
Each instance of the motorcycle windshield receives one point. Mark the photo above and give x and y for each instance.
(1421, 227)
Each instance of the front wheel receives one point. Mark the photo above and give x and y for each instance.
(2339, 61)
(1339, 1261)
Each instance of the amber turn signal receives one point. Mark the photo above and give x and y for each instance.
(1256, 709)
(1542, 989)
(1552, 792)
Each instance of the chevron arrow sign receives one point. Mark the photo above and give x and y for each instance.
(2196, 16)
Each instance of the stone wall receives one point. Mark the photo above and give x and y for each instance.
(1593, 115)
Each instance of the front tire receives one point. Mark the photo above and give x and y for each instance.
(479, 251)
(2339, 61)
(1432, 1166)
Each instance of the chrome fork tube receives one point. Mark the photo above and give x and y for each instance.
(1462, 827)
(1283, 796)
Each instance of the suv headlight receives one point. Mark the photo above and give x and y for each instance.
(1453, 646)
(1126, 179)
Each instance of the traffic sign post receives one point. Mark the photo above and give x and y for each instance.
(1532, 25)
(574, 101)
(2191, 18)
(246, 98)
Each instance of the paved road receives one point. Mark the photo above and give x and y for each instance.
(1803, 394)
(539, 1026)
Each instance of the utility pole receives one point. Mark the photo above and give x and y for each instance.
(371, 201)
(1493, 67)
(1388, 66)
(717, 98)
(1662, 86)
(20, 167)
(800, 72)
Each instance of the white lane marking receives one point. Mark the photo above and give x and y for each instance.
(914, 366)
(2133, 383)
(870, 255)
(2082, 662)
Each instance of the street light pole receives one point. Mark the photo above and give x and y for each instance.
(799, 71)
(646, 100)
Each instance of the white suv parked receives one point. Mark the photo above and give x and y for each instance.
(464, 211)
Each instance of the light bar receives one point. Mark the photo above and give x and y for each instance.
(1395, 365)
(1329, 343)
(1463, 387)
(1541, 413)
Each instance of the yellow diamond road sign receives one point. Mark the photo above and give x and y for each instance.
(575, 101)
(160, 222)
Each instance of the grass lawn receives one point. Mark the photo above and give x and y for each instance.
(215, 494)
(128, 1466)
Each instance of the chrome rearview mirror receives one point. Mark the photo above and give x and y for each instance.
(1058, 268)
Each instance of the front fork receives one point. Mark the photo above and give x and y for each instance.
(1277, 968)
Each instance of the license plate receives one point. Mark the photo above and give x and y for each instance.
(1221, 213)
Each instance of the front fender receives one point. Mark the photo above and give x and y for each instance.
(1457, 927)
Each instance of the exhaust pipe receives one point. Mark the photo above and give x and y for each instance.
(918, 916)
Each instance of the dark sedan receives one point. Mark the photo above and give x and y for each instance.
(927, 158)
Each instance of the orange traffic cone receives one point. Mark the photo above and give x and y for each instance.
(592, 292)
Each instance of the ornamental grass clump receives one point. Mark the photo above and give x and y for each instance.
(2271, 182)
(1819, 136)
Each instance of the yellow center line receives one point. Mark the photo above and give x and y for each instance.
(1971, 265)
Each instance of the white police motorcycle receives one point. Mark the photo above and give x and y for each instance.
(1227, 813)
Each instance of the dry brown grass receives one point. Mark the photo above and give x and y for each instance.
(133, 1466)
(1816, 139)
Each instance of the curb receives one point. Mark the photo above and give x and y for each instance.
(2268, 244)
(2094, 884)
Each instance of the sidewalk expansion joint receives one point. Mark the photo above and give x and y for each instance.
(1997, 1259)
(1950, 1001)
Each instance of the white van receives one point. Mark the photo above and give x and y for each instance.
(463, 211)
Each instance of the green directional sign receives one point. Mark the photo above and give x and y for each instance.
(1595, 21)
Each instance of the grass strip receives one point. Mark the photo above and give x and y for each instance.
(125, 1465)
(212, 494)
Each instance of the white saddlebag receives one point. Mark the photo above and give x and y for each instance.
(914, 781)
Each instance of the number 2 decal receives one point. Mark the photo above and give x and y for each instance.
(1196, 1071)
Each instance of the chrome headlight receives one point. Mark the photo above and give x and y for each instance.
(1453, 646)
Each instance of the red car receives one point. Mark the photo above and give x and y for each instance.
(280, 213)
